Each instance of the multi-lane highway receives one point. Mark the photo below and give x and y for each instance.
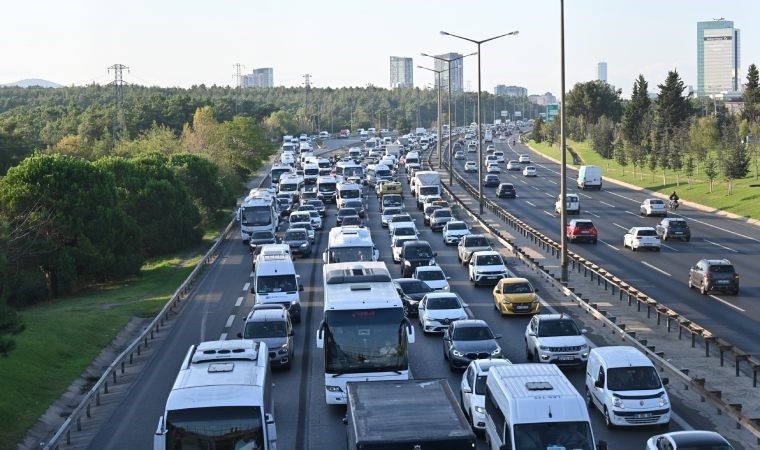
(661, 275)
(304, 421)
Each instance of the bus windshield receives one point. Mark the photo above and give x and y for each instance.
(257, 216)
(370, 340)
(350, 254)
(231, 427)
(276, 173)
(559, 435)
(326, 187)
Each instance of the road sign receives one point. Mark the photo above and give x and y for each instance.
(551, 111)
(505, 114)
(518, 113)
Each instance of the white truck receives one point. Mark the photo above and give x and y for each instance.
(427, 183)
(393, 150)
(488, 136)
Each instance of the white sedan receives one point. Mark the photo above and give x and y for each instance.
(470, 166)
(642, 237)
(453, 232)
(529, 171)
(459, 155)
(524, 158)
(653, 207)
(400, 220)
(493, 168)
(513, 165)
(438, 310)
(433, 276)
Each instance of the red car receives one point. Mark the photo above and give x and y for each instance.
(581, 230)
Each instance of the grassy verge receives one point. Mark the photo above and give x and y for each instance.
(745, 200)
(63, 337)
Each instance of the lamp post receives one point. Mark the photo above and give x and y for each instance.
(438, 83)
(479, 124)
(563, 174)
(448, 64)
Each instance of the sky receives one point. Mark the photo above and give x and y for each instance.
(349, 43)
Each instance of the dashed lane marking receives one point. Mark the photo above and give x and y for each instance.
(229, 321)
(239, 301)
(246, 286)
(656, 268)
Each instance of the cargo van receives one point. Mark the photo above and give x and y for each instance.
(590, 177)
(626, 387)
(534, 406)
(572, 205)
(275, 280)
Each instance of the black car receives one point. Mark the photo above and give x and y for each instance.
(415, 254)
(345, 212)
(491, 180)
(673, 227)
(506, 190)
(259, 238)
(411, 291)
(352, 220)
(469, 339)
(358, 205)
(298, 241)
(714, 275)
(319, 205)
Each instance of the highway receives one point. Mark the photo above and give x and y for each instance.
(661, 275)
(303, 419)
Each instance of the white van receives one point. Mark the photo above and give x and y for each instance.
(573, 205)
(626, 387)
(590, 177)
(276, 281)
(350, 244)
(534, 406)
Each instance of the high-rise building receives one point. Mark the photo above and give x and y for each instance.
(510, 91)
(402, 71)
(457, 71)
(545, 99)
(601, 71)
(717, 57)
(259, 78)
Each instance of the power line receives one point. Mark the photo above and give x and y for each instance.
(119, 123)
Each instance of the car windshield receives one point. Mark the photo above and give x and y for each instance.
(457, 226)
(430, 275)
(401, 218)
(347, 212)
(442, 213)
(356, 204)
(472, 334)
(259, 235)
(432, 208)
(317, 203)
(352, 220)
(476, 242)
(443, 303)
(391, 211)
(295, 218)
(677, 224)
(551, 328)
(295, 235)
(488, 260)
(417, 252)
(263, 330)
(414, 287)
(517, 288)
(641, 378)
(553, 435)
(656, 202)
(276, 283)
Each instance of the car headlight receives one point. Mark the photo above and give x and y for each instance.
(432, 262)
(457, 353)
(446, 287)
(479, 410)
(543, 347)
(294, 302)
(664, 400)
(617, 403)
(506, 302)
(496, 351)
(304, 245)
(407, 263)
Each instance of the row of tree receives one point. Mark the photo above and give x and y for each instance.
(670, 133)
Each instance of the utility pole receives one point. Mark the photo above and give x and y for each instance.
(307, 85)
(118, 83)
(238, 84)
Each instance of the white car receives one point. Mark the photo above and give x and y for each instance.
(513, 165)
(472, 148)
(487, 267)
(556, 339)
(438, 310)
(499, 154)
(572, 204)
(459, 155)
(524, 158)
(490, 148)
(316, 220)
(680, 440)
(387, 213)
(405, 230)
(493, 168)
(400, 220)
(491, 159)
(470, 166)
(433, 276)
(396, 244)
(472, 390)
(642, 237)
(529, 171)
(654, 207)
(453, 232)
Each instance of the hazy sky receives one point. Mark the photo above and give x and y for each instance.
(348, 43)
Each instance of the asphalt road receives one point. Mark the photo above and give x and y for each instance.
(661, 275)
(304, 421)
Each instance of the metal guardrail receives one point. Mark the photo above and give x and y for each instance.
(733, 410)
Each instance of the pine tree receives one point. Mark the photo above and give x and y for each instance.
(751, 110)
(635, 112)
(672, 107)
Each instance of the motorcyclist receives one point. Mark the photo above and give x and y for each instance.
(674, 200)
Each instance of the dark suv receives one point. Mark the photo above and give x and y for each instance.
(271, 324)
(415, 254)
(714, 275)
(672, 227)
(506, 190)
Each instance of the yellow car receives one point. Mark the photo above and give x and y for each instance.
(515, 296)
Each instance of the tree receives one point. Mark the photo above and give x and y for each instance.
(672, 108)
(635, 113)
(621, 155)
(592, 100)
(689, 168)
(602, 136)
(711, 171)
(538, 130)
(703, 136)
(751, 110)
(735, 157)
(203, 181)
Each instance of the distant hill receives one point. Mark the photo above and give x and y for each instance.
(34, 82)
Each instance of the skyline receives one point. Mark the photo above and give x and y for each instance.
(189, 43)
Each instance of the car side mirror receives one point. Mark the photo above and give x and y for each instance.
(599, 383)
(300, 287)
(253, 289)
(665, 381)
(291, 333)
(465, 305)
(448, 278)
(498, 336)
(535, 290)
(584, 331)
(435, 253)
(240, 335)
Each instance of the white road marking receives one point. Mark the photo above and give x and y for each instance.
(609, 245)
(535, 188)
(251, 275)
(589, 212)
(584, 195)
(531, 204)
(523, 182)
(239, 301)
(549, 195)
(656, 268)
(552, 181)
(623, 196)
(726, 303)
(632, 213)
(246, 286)
(223, 337)
(608, 204)
(548, 213)
(722, 246)
(229, 321)
(671, 248)
(620, 226)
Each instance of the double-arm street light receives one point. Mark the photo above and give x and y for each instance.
(480, 135)
(448, 65)
(437, 82)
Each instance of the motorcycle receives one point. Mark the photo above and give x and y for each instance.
(674, 204)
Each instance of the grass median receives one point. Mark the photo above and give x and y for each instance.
(744, 201)
(64, 336)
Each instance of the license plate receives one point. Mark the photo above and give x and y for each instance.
(643, 415)
(491, 278)
(522, 307)
(678, 232)
(566, 358)
(722, 281)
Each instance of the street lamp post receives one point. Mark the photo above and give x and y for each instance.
(479, 124)
(438, 83)
(563, 171)
(448, 64)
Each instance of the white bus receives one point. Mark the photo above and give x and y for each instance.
(222, 398)
(350, 244)
(364, 333)
(258, 212)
